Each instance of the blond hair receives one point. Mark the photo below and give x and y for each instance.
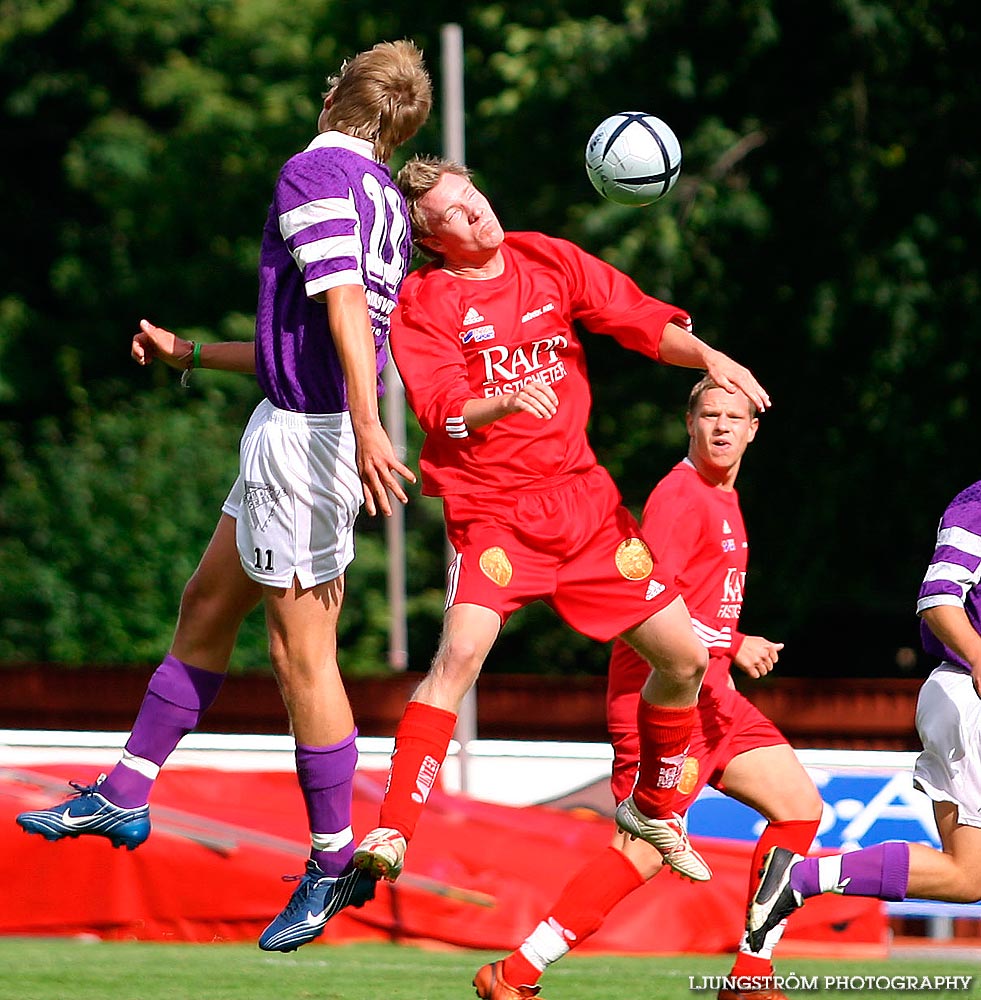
(415, 180)
(702, 386)
(383, 95)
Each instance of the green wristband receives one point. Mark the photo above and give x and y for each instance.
(196, 356)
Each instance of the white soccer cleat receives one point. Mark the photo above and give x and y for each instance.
(668, 836)
(382, 853)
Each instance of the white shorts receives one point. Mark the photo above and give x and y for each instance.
(297, 496)
(948, 719)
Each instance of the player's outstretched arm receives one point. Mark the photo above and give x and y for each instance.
(378, 465)
(681, 348)
(535, 398)
(156, 342)
(757, 656)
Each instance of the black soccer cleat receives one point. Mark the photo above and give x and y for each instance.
(775, 898)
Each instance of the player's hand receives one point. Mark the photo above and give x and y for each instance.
(156, 342)
(976, 680)
(535, 398)
(734, 377)
(377, 467)
(756, 656)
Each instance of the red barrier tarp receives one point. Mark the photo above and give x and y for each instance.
(478, 875)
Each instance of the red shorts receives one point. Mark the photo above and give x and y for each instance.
(569, 542)
(726, 725)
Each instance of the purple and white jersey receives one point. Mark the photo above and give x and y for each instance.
(336, 218)
(955, 570)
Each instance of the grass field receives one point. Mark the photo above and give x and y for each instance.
(33, 969)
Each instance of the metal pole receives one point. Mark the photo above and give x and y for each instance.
(451, 38)
(398, 630)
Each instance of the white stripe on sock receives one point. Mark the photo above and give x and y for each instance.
(829, 873)
(140, 764)
(332, 841)
(544, 946)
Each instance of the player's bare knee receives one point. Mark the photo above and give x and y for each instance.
(279, 659)
(685, 669)
(798, 800)
(455, 668)
(459, 653)
(196, 598)
(209, 605)
(297, 666)
(811, 805)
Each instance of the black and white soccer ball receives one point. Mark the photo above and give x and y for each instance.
(633, 158)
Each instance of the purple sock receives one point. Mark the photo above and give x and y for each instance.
(176, 698)
(326, 776)
(881, 871)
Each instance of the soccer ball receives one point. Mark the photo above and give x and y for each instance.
(633, 158)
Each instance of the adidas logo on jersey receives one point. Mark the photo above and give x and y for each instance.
(472, 317)
(653, 589)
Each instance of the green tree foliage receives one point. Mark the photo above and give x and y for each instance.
(823, 231)
(105, 523)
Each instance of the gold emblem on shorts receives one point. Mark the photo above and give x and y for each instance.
(496, 566)
(689, 776)
(634, 559)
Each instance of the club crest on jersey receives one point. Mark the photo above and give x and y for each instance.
(633, 559)
(689, 776)
(261, 501)
(496, 566)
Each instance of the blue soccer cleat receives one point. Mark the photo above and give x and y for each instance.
(315, 900)
(88, 812)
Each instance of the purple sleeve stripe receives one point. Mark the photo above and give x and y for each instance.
(939, 593)
(324, 268)
(334, 229)
(955, 557)
(315, 287)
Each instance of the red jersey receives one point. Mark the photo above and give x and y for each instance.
(456, 339)
(697, 535)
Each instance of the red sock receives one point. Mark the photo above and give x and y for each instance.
(796, 835)
(421, 739)
(585, 901)
(664, 737)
